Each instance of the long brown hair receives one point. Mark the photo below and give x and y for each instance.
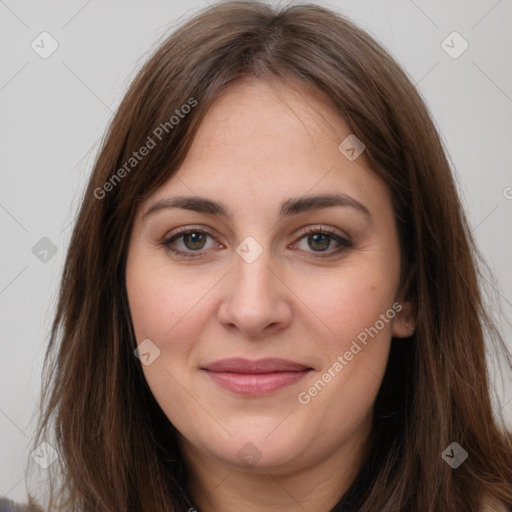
(117, 450)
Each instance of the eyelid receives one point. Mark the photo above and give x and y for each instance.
(191, 228)
(328, 230)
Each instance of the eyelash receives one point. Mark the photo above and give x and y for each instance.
(344, 244)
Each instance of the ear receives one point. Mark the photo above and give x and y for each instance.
(406, 317)
(405, 320)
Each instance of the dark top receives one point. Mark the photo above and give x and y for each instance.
(7, 505)
(349, 502)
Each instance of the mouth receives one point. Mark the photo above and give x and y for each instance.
(255, 377)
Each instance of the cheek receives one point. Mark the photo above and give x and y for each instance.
(362, 323)
(352, 299)
(167, 309)
(357, 311)
(164, 304)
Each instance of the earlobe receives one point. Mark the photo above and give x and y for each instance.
(405, 322)
(409, 327)
(406, 319)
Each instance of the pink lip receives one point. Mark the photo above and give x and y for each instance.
(258, 377)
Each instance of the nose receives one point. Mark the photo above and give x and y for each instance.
(257, 301)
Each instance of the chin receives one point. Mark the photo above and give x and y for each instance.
(263, 449)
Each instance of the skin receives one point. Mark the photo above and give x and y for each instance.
(260, 144)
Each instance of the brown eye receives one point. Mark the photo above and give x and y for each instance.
(319, 240)
(194, 241)
(191, 242)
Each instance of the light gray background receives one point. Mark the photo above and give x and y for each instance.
(55, 110)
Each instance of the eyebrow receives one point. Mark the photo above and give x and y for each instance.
(292, 206)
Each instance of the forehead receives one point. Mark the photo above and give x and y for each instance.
(263, 141)
(278, 115)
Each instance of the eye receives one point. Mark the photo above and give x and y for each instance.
(194, 242)
(320, 239)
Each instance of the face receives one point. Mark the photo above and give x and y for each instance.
(269, 316)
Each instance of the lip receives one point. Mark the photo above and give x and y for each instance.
(255, 377)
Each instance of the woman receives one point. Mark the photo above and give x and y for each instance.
(270, 299)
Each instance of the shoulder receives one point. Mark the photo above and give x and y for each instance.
(7, 505)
